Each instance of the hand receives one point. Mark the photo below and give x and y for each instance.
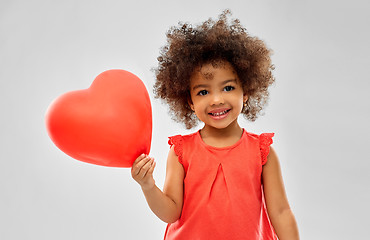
(142, 171)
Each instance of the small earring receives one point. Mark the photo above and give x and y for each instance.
(244, 106)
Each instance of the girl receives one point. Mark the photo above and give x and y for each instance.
(222, 182)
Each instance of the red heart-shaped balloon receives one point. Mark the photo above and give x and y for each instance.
(108, 124)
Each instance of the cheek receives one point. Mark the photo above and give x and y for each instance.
(200, 106)
(197, 106)
(239, 101)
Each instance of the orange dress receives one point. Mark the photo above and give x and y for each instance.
(223, 195)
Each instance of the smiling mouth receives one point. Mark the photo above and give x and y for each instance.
(217, 114)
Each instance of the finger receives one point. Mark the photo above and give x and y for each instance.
(134, 164)
(139, 158)
(139, 167)
(151, 170)
(136, 169)
(145, 168)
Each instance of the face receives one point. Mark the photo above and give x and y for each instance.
(216, 95)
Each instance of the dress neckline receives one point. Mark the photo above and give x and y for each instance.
(222, 148)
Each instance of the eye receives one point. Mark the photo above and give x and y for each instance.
(229, 88)
(202, 92)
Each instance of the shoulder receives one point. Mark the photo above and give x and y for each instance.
(172, 140)
(263, 138)
(271, 167)
(263, 141)
(177, 144)
(272, 157)
(250, 134)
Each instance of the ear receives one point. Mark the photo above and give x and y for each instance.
(245, 97)
(191, 105)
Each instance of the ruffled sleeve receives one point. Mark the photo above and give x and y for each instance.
(177, 142)
(265, 142)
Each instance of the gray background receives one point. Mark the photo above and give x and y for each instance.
(319, 110)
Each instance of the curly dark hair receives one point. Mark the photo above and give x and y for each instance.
(212, 41)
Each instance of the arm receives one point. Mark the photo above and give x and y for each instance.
(167, 205)
(278, 208)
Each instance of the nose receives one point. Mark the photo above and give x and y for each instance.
(217, 99)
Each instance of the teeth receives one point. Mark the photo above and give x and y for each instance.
(220, 113)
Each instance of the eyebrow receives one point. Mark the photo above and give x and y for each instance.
(207, 85)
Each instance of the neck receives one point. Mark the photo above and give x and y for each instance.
(232, 130)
